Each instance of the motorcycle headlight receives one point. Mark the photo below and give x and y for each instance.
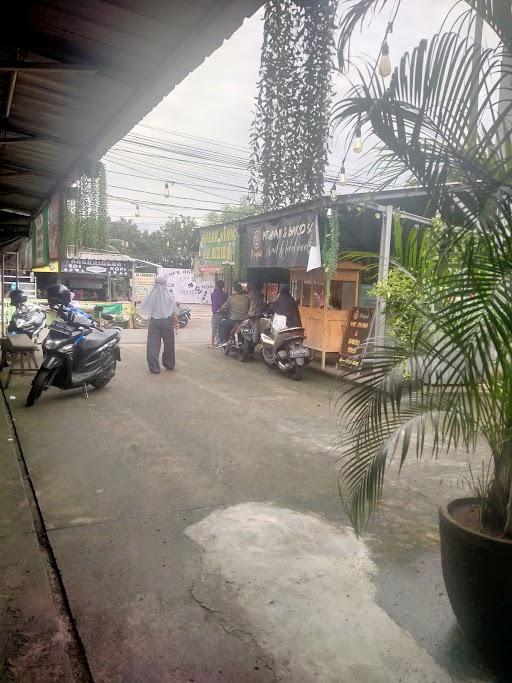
(53, 344)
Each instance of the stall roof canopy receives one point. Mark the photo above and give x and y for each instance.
(76, 76)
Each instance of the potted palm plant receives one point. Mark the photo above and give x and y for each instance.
(445, 118)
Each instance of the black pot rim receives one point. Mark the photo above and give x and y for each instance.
(445, 515)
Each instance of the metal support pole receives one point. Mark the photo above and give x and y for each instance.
(385, 248)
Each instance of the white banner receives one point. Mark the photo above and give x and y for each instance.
(185, 288)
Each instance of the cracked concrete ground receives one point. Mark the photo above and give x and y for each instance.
(195, 522)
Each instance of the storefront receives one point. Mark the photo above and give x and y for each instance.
(218, 257)
(287, 249)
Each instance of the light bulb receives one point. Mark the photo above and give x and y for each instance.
(166, 190)
(343, 177)
(358, 141)
(329, 213)
(384, 62)
(334, 192)
(137, 212)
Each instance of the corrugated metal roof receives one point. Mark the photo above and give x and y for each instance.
(86, 72)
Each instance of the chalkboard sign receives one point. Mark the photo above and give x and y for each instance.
(356, 334)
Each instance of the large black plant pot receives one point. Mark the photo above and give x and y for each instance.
(477, 571)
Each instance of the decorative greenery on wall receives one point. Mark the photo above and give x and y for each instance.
(290, 130)
(85, 216)
(331, 250)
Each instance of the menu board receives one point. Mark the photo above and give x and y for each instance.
(357, 333)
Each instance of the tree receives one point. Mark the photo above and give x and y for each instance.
(232, 212)
(290, 130)
(172, 245)
(425, 118)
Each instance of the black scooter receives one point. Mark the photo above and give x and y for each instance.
(76, 353)
(240, 341)
(184, 315)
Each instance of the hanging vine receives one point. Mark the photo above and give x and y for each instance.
(85, 213)
(331, 252)
(290, 130)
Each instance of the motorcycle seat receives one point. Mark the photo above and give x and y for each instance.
(97, 338)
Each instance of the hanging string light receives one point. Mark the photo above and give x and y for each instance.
(357, 147)
(334, 192)
(384, 62)
(137, 211)
(343, 176)
(166, 190)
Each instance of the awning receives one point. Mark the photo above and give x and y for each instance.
(76, 76)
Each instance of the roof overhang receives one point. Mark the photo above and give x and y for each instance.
(76, 76)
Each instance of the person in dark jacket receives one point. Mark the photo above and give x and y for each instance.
(286, 305)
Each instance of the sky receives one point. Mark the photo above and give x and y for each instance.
(208, 117)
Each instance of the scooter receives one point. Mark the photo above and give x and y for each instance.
(77, 352)
(29, 319)
(240, 341)
(283, 347)
(184, 315)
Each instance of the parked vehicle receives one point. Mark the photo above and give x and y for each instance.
(283, 347)
(240, 341)
(184, 315)
(77, 352)
(29, 319)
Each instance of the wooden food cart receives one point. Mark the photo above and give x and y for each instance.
(324, 321)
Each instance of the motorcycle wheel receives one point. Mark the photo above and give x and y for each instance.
(298, 373)
(245, 352)
(225, 350)
(39, 384)
(183, 323)
(105, 378)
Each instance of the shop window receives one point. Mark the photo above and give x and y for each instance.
(342, 295)
(318, 295)
(306, 292)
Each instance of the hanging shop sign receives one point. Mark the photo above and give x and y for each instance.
(40, 254)
(185, 287)
(54, 231)
(282, 243)
(217, 245)
(353, 345)
(52, 267)
(96, 267)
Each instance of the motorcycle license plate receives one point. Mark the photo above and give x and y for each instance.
(62, 327)
(299, 353)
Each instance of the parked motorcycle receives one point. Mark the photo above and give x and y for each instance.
(283, 347)
(184, 315)
(77, 352)
(240, 341)
(29, 319)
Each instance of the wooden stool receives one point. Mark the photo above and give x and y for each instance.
(21, 349)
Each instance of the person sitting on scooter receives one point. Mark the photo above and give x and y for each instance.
(238, 307)
(257, 304)
(286, 305)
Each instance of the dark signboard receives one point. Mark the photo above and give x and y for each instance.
(96, 267)
(281, 243)
(356, 335)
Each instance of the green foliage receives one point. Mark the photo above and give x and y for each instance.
(232, 212)
(173, 245)
(85, 214)
(399, 290)
(458, 384)
(290, 130)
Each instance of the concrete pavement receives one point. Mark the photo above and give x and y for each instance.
(195, 522)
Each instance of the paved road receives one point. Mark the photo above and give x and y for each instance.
(195, 522)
